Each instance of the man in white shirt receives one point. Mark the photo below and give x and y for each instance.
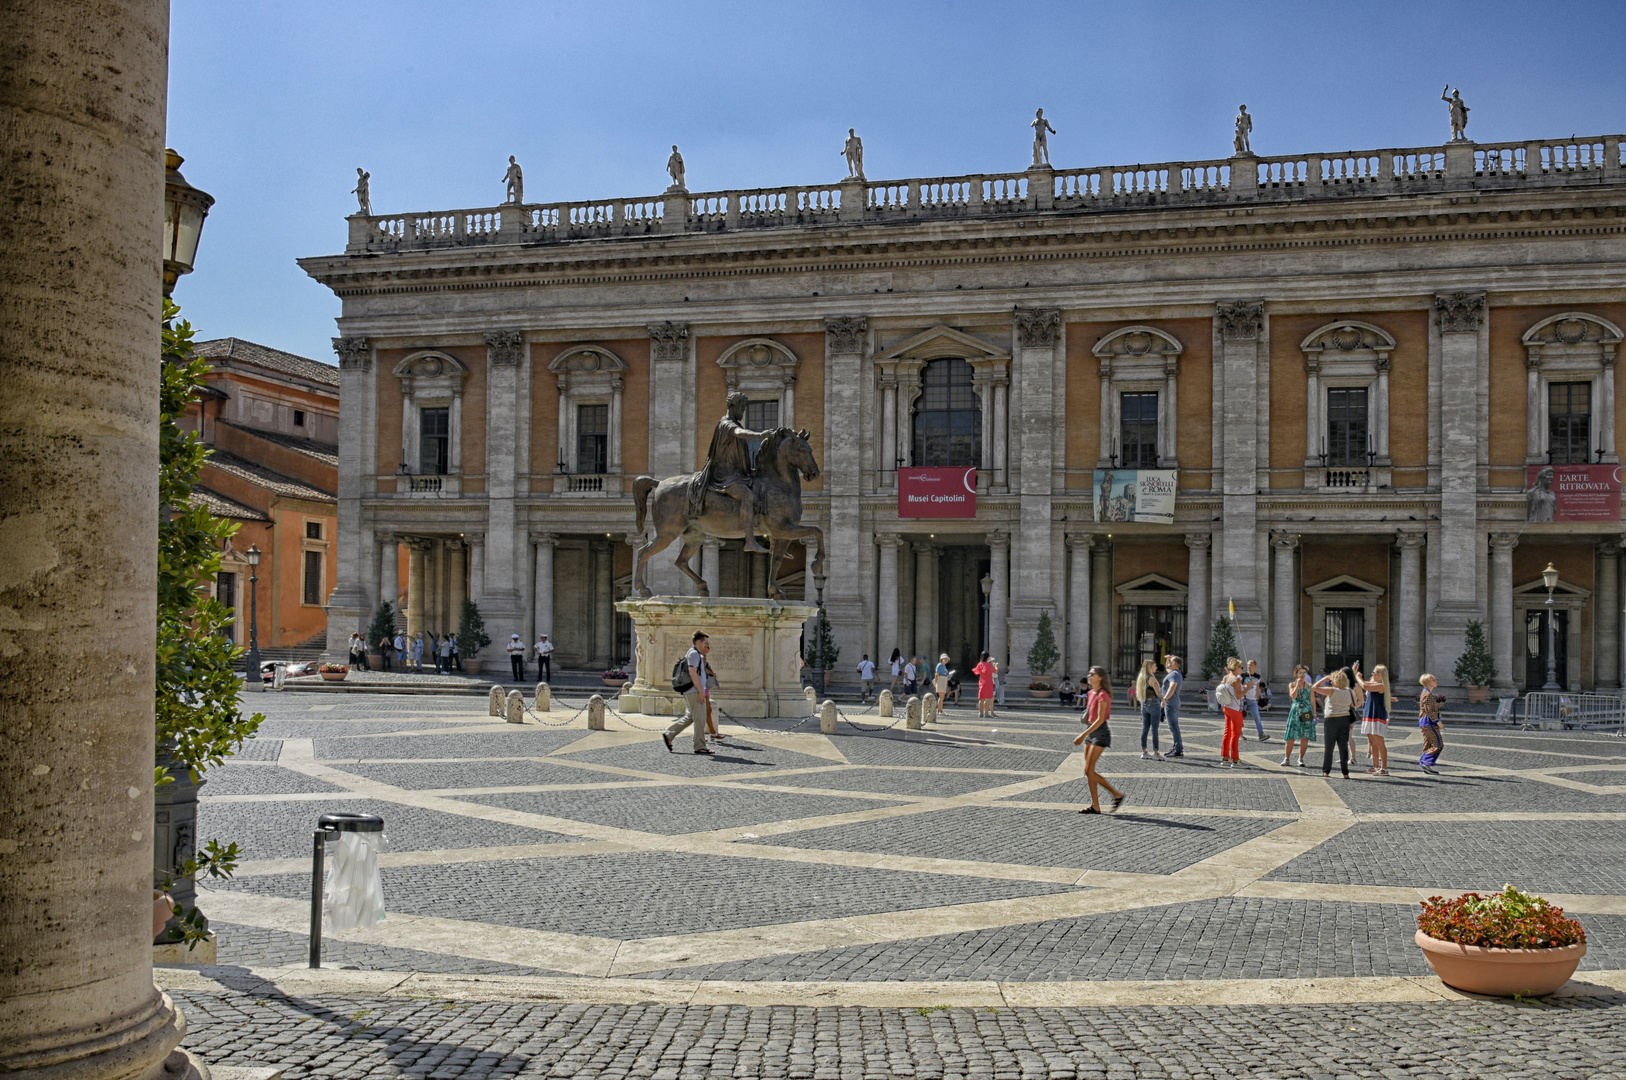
(401, 649)
(1250, 698)
(866, 678)
(516, 657)
(697, 697)
(544, 659)
(909, 676)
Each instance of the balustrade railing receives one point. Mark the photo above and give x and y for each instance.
(1242, 180)
(1346, 478)
(585, 483)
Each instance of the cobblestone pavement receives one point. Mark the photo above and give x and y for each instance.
(1251, 922)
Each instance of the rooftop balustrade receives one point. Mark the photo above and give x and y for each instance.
(1454, 167)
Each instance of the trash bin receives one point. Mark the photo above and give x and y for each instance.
(352, 894)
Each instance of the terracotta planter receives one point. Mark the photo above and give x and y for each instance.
(1478, 695)
(472, 667)
(1475, 969)
(1042, 693)
(614, 684)
(334, 676)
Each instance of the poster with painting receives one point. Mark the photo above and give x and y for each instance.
(1130, 495)
(1571, 493)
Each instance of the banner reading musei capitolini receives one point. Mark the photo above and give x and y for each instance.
(1135, 495)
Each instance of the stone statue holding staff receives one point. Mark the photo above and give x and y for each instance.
(1459, 113)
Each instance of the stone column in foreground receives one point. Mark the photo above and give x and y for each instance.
(82, 88)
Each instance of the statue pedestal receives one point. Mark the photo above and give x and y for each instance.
(755, 649)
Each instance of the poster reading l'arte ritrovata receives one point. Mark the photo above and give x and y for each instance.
(1135, 495)
(1572, 493)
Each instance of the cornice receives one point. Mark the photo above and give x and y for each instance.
(859, 249)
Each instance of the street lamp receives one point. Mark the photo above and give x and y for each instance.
(987, 584)
(253, 683)
(1549, 577)
(185, 207)
(818, 638)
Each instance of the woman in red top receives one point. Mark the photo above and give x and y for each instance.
(1096, 737)
(984, 671)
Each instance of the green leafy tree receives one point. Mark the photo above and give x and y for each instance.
(1043, 655)
(471, 630)
(1221, 647)
(197, 716)
(382, 629)
(1476, 666)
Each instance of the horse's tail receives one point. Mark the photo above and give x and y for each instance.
(641, 487)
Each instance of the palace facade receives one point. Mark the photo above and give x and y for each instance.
(1344, 365)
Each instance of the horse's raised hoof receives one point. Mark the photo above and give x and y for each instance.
(644, 593)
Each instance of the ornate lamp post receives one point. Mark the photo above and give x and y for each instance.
(253, 683)
(185, 207)
(817, 677)
(1549, 577)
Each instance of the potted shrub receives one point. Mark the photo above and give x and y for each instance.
(1042, 657)
(615, 677)
(1506, 944)
(381, 632)
(471, 637)
(334, 672)
(1475, 667)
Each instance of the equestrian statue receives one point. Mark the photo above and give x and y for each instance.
(731, 497)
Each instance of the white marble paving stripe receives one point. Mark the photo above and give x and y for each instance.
(1572, 903)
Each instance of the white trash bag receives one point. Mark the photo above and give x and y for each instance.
(353, 892)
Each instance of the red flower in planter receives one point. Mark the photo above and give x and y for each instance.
(1509, 919)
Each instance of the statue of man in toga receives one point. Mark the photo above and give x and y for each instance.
(674, 169)
(514, 181)
(728, 469)
(1041, 143)
(853, 151)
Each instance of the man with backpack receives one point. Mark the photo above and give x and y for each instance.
(691, 678)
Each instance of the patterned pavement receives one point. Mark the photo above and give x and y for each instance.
(890, 903)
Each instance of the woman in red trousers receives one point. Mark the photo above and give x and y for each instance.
(1229, 693)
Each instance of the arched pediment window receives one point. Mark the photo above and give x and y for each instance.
(1139, 366)
(590, 380)
(1346, 364)
(947, 416)
(970, 364)
(1570, 389)
(764, 371)
(431, 412)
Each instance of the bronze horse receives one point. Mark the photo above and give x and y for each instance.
(782, 461)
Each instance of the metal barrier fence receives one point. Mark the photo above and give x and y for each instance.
(1551, 710)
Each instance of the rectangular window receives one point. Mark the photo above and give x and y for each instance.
(313, 577)
(226, 593)
(1345, 638)
(1137, 438)
(299, 418)
(1346, 427)
(313, 530)
(592, 438)
(762, 415)
(1569, 422)
(434, 441)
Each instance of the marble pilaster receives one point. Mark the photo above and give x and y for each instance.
(1241, 324)
(886, 617)
(1285, 613)
(1606, 616)
(1079, 547)
(389, 571)
(1504, 650)
(999, 598)
(1459, 316)
(1408, 663)
(1198, 607)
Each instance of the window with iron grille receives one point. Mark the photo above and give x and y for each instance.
(313, 530)
(948, 416)
(1346, 426)
(313, 577)
(1137, 431)
(762, 415)
(434, 441)
(1569, 422)
(592, 438)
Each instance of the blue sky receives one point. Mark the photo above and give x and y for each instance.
(274, 105)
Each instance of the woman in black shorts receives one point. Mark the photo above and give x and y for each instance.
(1096, 737)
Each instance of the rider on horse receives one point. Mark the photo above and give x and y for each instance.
(728, 469)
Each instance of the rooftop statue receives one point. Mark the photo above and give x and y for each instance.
(514, 179)
(1244, 128)
(363, 192)
(1459, 113)
(674, 169)
(853, 151)
(1041, 144)
(731, 497)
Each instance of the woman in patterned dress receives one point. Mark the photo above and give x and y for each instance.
(1428, 718)
(1300, 716)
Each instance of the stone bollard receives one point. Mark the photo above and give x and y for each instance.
(885, 702)
(928, 709)
(912, 713)
(496, 701)
(516, 707)
(827, 717)
(812, 698)
(595, 713)
(544, 697)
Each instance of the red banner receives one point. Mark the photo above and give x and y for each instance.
(937, 493)
(1572, 493)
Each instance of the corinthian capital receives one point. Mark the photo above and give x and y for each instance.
(669, 341)
(505, 348)
(355, 353)
(1460, 313)
(846, 334)
(1240, 320)
(1037, 329)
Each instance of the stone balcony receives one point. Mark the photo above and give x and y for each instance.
(1455, 167)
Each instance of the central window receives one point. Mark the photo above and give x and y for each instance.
(948, 416)
(1346, 426)
(762, 415)
(592, 438)
(1569, 422)
(434, 441)
(1138, 430)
